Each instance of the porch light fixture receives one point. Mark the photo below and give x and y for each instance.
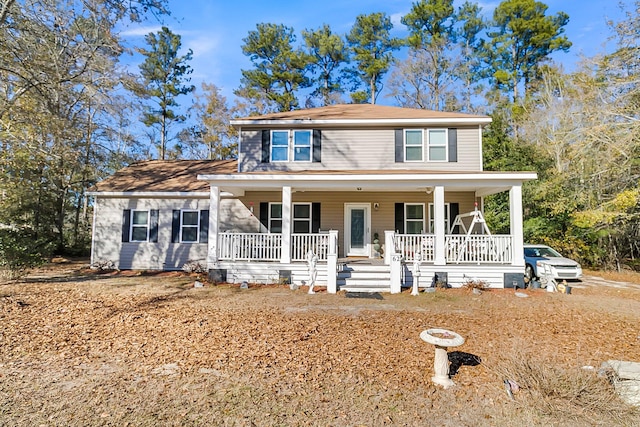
(359, 188)
(376, 206)
(428, 190)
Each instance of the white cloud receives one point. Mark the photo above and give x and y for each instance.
(140, 31)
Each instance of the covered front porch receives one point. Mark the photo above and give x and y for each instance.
(357, 223)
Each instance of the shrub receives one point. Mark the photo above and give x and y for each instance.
(194, 267)
(20, 251)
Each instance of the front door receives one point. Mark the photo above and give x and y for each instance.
(357, 220)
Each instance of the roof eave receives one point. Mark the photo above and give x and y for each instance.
(369, 122)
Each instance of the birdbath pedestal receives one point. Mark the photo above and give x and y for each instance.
(441, 339)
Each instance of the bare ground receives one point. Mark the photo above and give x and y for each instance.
(79, 348)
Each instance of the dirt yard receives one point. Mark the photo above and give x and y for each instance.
(80, 348)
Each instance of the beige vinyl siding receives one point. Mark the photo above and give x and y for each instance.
(161, 255)
(362, 149)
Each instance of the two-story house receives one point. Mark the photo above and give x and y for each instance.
(375, 193)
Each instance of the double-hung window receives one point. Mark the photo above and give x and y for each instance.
(302, 146)
(437, 141)
(413, 145)
(302, 217)
(414, 218)
(139, 226)
(447, 214)
(275, 217)
(189, 226)
(279, 146)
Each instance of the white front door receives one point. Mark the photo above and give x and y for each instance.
(357, 229)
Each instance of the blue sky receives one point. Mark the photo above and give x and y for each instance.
(214, 29)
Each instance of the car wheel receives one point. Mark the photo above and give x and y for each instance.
(528, 273)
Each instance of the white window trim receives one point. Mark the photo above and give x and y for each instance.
(447, 214)
(132, 225)
(422, 145)
(446, 145)
(407, 220)
(293, 145)
(288, 146)
(197, 226)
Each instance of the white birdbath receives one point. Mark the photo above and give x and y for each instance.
(441, 339)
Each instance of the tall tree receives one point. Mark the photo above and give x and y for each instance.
(58, 85)
(279, 68)
(165, 74)
(372, 46)
(425, 79)
(328, 54)
(212, 137)
(524, 39)
(468, 67)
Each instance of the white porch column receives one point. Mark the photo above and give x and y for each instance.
(439, 225)
(285, 255)
(332, 263)
(389, 247)
(517, 233)
(214, 227)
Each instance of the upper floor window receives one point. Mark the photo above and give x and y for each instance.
(139, 226)
(437, 142)
(414, 218)
(413, 145)
(302, 146)
(301, 149)
(279, 146)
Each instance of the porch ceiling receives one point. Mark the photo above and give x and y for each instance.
(482, 183)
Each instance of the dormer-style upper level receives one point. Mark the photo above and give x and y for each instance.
(355, 137)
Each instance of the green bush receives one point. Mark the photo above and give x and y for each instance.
(21, 250)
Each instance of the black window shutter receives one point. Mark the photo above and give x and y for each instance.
(315, 217)
(400, 218)
(204, 226)
(317, 146)
(453, 145)
(175, 227)
(153, 225)
(454, 210)
(264, 214)
(126, 224)
(266, 146)
(399, 143)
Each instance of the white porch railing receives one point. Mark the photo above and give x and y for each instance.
(301, 244)
(409, 246)
(478, 248)
(268, 246)
(249, 246)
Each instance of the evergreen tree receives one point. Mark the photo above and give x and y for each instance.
(524, 39)
(372, 47)
(328, 54)
(164, 74)
(279, 68)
